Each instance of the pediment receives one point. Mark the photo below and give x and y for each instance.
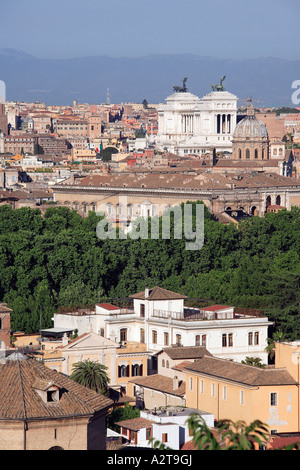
(90, 340)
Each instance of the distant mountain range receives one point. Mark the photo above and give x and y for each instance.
(152, 77)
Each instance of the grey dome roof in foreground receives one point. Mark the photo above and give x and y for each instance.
(251, 127)
(16, 356)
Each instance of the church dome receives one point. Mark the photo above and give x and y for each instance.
(250, 127)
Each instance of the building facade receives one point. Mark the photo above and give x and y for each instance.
(240, 392)
(190, 125)
(160, 319)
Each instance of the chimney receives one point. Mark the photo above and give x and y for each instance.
(175, 382)
(146, 292)
(65, 340)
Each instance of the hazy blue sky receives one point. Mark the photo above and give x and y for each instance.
(218, 28)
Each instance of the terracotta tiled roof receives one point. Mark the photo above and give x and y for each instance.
(181, 181)
(108, 306)
(20, 380)
(135, 424)
(186, 352)
(181, 366)
(188, 446)
(160, 383)
(242, 373)
(214, 308)
(158, 293)
(277, 442)
(191, 446)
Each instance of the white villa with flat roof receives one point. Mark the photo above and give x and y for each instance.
(160, 319)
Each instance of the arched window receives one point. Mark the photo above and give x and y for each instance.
(123, 371)
(163, 363)
(240, 153)
(268, 201)
(136, 370)
(278, 201)
(247, 153)
(167, 364)
(256, 153)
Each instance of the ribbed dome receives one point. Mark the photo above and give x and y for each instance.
(250, 127)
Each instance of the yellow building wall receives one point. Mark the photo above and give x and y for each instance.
(256, 402)
(287, 355)
(23, 340)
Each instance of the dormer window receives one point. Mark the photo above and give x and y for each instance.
(47, 390)
(52, 395)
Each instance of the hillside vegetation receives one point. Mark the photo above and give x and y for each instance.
(57, 260)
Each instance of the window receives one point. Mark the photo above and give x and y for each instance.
(167, 364)
(163, 363)
(142, 310)
(178, 340)
(164, 437)
(247, 153)
(123, 334)
(123, 371)
(201, 386)
(136, 370)
(227, 340)
(273, 399)
(154, 337)
(197, 340)
(224, 392)
(213, 391)
(166, 339)
(142, 335)
(242, 397)
(148, 433)
(253, 338)
(203, 340)
(109, 209)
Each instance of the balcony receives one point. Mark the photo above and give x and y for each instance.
(196, 314)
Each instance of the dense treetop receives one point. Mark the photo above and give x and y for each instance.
(57, 259)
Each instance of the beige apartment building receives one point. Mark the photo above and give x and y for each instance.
(73, 127)
(125, 196)
(20, 143)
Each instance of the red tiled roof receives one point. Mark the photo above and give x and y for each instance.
(279, 442)
(108, 306)
(158, 293)
(214, 308)
(21, 401)
(135, 424)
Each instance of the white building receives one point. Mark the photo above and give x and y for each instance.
(160, 319)
(190, 125)
(168, 426)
